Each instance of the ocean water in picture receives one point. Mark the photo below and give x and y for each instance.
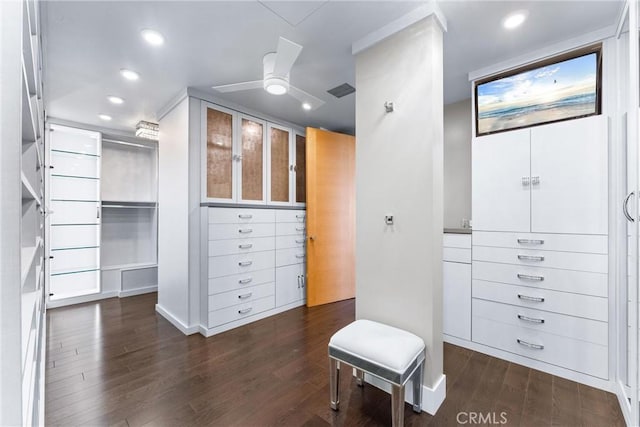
(559, 91)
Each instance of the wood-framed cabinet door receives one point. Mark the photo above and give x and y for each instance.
(219, 154)
(279, 165)
(569, 177)
(299, 175)
(501, 196)
(252, 160)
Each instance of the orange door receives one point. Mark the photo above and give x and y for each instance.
(331, 215)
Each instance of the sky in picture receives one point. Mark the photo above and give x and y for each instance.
(536, 89)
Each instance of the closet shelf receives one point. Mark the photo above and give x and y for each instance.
(132, 266)
(27, 190)
(125, 204)
(28, 255)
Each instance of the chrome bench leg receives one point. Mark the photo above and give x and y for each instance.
(360, 377)
(397, 405)
(334, 383)
(417, 388)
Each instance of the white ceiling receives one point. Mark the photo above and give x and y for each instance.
(214, 43)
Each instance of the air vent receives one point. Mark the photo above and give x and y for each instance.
(342, 90)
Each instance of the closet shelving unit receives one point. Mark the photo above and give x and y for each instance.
(22, 307)
(129, 214)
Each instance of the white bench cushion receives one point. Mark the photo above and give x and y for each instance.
(386, 346)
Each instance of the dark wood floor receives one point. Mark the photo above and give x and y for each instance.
(116, 362)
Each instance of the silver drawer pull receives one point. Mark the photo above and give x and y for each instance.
(245, 281)
(531, 241)
(528, 298)
(300, 216)
(245, 296)
(528, 344)
(245, 216)
(299, 228)
(530, 319)
(245, 263)
(528, 277)
(531, 257)
(245, 311)
(245, 230)
(300, 240)
(299, 255)
(246, 246)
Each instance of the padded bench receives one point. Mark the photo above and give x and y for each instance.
(385, 352)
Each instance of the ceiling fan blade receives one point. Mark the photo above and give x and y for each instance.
(236, 87)
(286, 55)
(303, 97)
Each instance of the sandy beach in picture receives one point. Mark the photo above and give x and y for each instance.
(559, 91)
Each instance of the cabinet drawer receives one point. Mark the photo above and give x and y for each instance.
(544, 242)
(451, 240)
(456, 255)
(578, 328)
(237, 312)
(285, 242)
(589, 307)
(290, 229)
(239, 281)
(240, 216)
(291, 216)
(581, 356)
(595, 263)
(579, 282)
(289, 256)
(241, 246)
(240, 231)
(237, 264)
(240, 296)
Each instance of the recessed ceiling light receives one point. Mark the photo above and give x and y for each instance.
(306, 106)
(129, 75)
(105, 117)
(515, 19)
(152, 37)
(115, 99)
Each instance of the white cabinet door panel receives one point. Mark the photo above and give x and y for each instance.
(74, 140)
(82, 236)
(66, 188)
(456, 293)
(569, 176)
(500, 198)
(71, 164)
(63, 212)
(74, 284)
(289, 284)
(69, 260)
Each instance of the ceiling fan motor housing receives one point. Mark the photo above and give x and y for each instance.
(276, 85)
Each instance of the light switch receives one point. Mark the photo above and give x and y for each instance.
(388, 219)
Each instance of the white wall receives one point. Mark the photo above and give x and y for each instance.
(457, 163)
(173, 214)
(399, 160)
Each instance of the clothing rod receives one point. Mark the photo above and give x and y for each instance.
(113, 141)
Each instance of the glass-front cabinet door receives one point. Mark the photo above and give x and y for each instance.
(300, 170)
(252, 174)
(218, 127)
(280, 165)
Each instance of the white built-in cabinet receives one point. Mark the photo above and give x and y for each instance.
(539, 280)
(247, 160)
(456, 285)
(23, 205)
(544, 179)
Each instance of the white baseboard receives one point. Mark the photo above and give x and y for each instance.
(602, 384)
(81, 299)
(208, 332)
(139, 291)
(432, 397)
(187, 330)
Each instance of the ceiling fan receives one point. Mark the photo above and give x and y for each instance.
(276, 68)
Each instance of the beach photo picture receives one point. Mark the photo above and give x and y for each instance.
(559, 91)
